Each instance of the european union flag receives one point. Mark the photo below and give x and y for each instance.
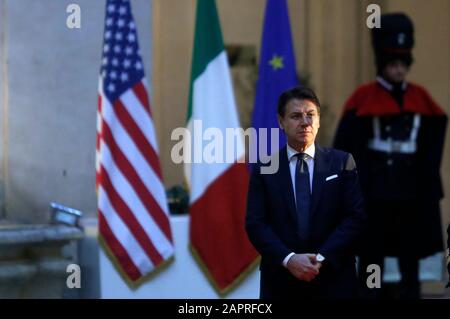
(277, 71)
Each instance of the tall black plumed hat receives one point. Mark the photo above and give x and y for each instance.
(394, 39)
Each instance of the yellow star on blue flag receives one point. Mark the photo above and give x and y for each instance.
(276, 62)
(277, 71)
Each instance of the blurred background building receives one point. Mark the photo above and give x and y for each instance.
(48, 95)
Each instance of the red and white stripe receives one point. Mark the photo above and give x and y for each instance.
(132, 204)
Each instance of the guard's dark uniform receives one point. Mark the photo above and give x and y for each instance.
(396, 133)
(398, 151)
(448, 255)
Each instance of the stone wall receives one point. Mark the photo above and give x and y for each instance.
(48, 102)
(34, 260)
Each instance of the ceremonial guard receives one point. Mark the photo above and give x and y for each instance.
(395, 130)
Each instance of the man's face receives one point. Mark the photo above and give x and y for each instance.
(395, 71)
(301, 122)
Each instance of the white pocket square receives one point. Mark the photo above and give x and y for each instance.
(331, 177)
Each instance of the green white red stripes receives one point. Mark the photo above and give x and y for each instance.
(217, 190)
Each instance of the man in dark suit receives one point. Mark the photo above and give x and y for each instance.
(305, 218)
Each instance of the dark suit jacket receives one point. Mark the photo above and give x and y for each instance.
(337, 219)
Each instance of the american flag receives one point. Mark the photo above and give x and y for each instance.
(132, 204)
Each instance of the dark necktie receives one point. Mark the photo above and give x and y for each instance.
(302, 194)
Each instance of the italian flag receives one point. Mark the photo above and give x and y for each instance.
(218, 190)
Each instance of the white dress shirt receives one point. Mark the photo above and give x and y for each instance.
(310, 151)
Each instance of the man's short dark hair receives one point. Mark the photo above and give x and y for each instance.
(299, 93)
